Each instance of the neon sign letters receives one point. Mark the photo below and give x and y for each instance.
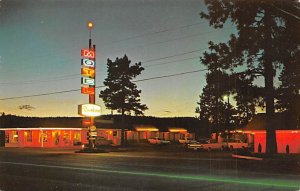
(88, 81)
(88, 53)
(88, 63)
(87, 90)
(88, 72)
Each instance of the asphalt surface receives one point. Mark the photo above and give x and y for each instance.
(145, 168)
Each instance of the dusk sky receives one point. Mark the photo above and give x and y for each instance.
(40, 43)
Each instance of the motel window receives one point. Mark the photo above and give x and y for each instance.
(77, 136)
(28, 135)
(55, 134)
(43, 136)
(66, 137)
(182, 136)
(15, 137)
(6, 137)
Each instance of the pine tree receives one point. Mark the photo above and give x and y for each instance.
(121, 93)
(264, 42)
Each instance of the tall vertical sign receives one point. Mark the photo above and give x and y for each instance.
(88, 84)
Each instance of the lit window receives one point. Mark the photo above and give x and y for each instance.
(77, 136)
(28, 136)
(15, 137)
(43, 136)
(55, 134)
(66, 137)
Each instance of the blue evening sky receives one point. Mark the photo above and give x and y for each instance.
(40, 43)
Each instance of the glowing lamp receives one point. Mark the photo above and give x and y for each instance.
(177, 130)
(146, 129)
(90, 25)
(86, 122)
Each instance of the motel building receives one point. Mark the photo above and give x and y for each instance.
(51, 137)
(287, 134)
(141, 133)
(55, 136)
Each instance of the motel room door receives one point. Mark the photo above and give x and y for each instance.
(2, 138)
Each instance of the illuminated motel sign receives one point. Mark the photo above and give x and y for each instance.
(88, 90)
(88, 72)
(88, 81)
(89, 110)
(88, 53)
(87, 62)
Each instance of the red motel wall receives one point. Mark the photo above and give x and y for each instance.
(283, 137)
(42, 138)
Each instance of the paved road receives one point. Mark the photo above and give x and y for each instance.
(156, 169)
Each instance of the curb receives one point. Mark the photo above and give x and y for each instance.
(246, 157)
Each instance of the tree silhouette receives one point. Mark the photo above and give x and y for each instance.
(212, 107)
(265, 41)
(121, 93)
(217, 110)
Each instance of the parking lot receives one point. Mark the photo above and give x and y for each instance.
(139, 167)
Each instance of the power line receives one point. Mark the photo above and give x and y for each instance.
(163, 63)
(46, 81)
(179, 54)
(171, 40)
(75, 90)
(136, 36)
(40, 81)
(152, 60)
(286, 12)
(155, 32)
(171, 75)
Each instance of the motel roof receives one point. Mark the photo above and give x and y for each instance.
(39, 128)
(282, 121)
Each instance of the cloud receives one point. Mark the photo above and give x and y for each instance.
(26, 107)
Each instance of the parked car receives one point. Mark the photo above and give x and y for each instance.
(207, 144)
(186, 140)
(236, 144)
(157, 140)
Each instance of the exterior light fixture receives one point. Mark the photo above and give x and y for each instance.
(90, 25)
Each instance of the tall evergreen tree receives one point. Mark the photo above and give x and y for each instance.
(265, 42)
(212, 107)
(121, 93)
(217, 110)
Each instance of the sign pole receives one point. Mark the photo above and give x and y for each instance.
(92, 96)
(88, 81)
